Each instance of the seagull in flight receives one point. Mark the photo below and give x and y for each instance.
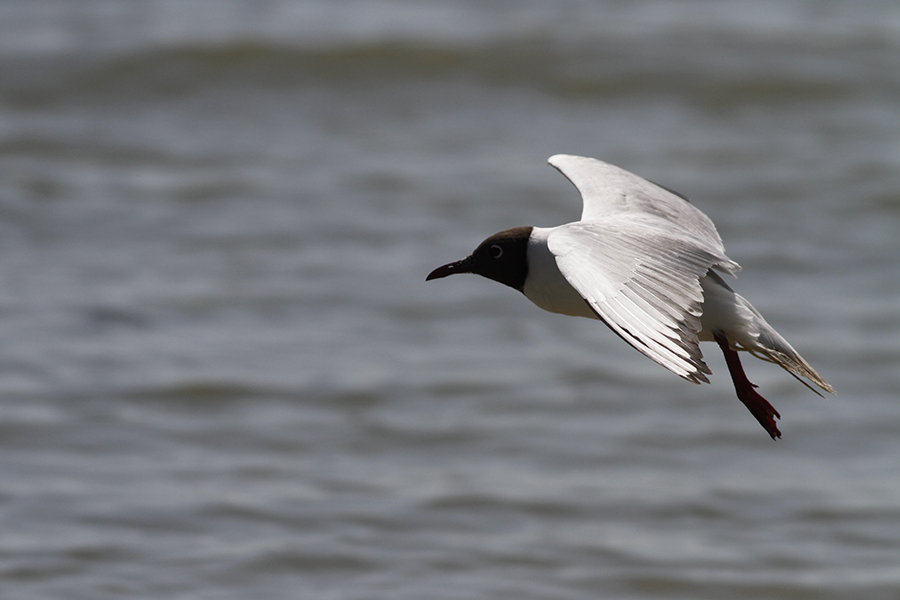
(646, 262)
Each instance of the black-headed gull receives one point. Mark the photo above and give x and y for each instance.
(642, 260)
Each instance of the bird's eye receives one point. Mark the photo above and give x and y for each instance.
(496, 251)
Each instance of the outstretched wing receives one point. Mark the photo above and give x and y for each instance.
(637, 257)
(607, 190)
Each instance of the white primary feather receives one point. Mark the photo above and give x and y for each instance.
(609, 191)
(644, 284)
(637, 257)
(642, 258)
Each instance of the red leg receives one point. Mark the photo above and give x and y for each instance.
(764, 412)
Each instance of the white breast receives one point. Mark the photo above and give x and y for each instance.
(545, 285)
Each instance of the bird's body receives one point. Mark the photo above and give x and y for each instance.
(546, 286)
(643, 260)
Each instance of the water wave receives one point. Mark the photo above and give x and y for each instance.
(588, 69)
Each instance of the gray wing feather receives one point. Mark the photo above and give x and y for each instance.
(637, 257)
(643, 284)
(607, 190)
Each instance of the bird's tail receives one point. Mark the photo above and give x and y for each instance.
(747, 330)
(767, 344)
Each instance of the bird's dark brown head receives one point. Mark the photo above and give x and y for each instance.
(502, 257)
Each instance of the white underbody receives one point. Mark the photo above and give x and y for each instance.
(722, 310)
(645, 261)
(546, 286)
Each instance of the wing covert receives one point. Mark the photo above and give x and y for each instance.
(644, 283)
(609, 191)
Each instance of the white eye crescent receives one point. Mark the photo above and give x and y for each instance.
(496, 251)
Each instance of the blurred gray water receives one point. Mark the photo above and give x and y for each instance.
(222, 373)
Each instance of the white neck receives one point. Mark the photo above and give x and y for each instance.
(545, 285)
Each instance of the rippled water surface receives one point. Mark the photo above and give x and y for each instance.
(222, 373)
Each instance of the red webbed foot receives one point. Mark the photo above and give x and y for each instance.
(758, 406)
